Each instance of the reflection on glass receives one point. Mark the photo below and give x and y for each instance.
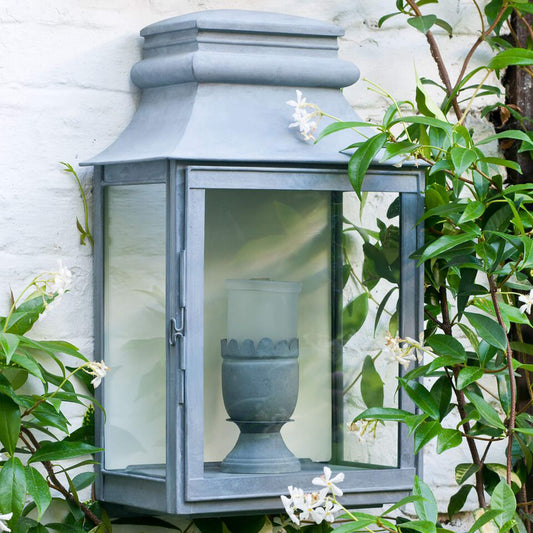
(134, 327)
(371, 270)
(278, 235)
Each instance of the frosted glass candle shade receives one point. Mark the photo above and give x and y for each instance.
(262, 308)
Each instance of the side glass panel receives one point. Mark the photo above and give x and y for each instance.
(134, 327)
(280, 240)
(371, 272)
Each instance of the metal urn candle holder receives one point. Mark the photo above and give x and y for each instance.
(260, 374)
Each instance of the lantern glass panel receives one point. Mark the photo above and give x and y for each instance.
(371, 275)
(283, 236)
(134, 326)
(346, 260)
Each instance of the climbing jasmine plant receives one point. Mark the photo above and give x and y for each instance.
(473, 386)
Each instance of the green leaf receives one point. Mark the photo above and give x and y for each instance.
(473, 210)
(512, 56)
(447, 345)
(385, 18)
(371, 384)
(518, 135)
(422, 23)
(426, 509)
(354, 316)
(448, 438)
(423, 526)
(9, 423)
(442, 393)
(463, 471)
(485, 410)
(486, 517)
(38, 489)
(488, 330)
(468, 375)
(424, 433)
(83, 480)
(9, 343)
(382, 306)
(12, 487)
(503, 500)
(383, 413)
(401, 503)
(502, 163)
(462, 158)
(445, 26)
(57, 451)
(458, 500)
(361, 159)
(443, 244)
(338, 126)
(422, 398)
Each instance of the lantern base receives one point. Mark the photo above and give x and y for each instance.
(260, 449)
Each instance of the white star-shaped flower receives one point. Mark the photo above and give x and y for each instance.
(98, 370)
(325, 480)
(4, 518)
(527, 300)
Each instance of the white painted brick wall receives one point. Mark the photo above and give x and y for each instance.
(65, 94)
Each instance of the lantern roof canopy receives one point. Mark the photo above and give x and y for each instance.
(215, 85)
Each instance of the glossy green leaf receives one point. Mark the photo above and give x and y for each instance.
(462, 159)
(8, 343)
(9, 423)
(424, 433)
(502, 163)
(489, 330)
(442, 394)
(339, 126)
(486, 517)
(473, 210)
(422, 526)
(83, 480)
(486, 411)
(422, 23)
(463, 471)
(384, 18)
(361, 159)
(57, 451)
(426, 509)
(503, 500)
(383, 413)
(445, 26)
(371, 384)
(458, 500)
(443, 244)
(513, 56)
(353, 316)
(447, 345)
(12, 487)
(38, 489)
(422, 398)
(401, 503)
(447, 439)
(468, 375)
(382, 306)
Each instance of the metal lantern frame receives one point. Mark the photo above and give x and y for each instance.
(186, 487)
(218, 145)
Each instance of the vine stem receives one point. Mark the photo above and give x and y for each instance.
(437, 56)
(512, 381)
(57, 485)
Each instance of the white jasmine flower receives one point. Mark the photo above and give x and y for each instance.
(312, 509)
(330, 510)
(411, 351)
(527, 300)
(5, 517)
(62, 280)
(98, 370)
(304, 119)
(325, 480)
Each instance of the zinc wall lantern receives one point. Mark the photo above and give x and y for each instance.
(240, 285)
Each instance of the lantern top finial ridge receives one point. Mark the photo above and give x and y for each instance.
(237, 20)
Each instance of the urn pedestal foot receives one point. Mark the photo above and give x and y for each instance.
(260, 449)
